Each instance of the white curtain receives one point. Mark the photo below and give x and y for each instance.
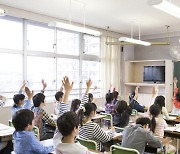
(110, 65)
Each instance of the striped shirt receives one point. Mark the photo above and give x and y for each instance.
(85, 100)
(93, 131)
(60, 108)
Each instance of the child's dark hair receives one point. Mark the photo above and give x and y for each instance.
(115, 94)
(22, 118)
(90, 96)
(38, 99)
(121, 106)
(17, 98)
(109, 98)
(75, 105)
(67, 122)
(154, 111)
(86, 111)
(178, 96)
(131, 96)
(160, 100)
(58, 95)
(143, 121)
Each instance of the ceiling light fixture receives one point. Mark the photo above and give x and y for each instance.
(73, 27)
(132, 40)
(165, 6)
(2, 12)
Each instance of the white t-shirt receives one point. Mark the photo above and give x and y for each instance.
(68, 148)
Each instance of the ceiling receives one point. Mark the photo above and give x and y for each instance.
(118, 14)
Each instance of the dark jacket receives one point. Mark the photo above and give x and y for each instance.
(135, 105)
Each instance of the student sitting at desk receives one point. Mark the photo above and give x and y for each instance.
(176, 99)
(133, 101)
(68, 126)
(90, 130)
(139, 135)
(109, 106)
(25, 141)
(158, 124)
(61, 106)
(41, 116)
(121, 114)
(19, 102)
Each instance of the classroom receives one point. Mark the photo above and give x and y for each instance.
(89, 76)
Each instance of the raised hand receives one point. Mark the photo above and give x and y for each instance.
(67, 85)
(23, 85)
(88, 85)
(29, 93)
(44, 84)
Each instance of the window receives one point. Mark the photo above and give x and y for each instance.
(39, 68)
(11, 77)
(70, 68)
(67, 43)
(40, 38)
(92, 45)
(11, 33)
(91, 70)
(44, 61)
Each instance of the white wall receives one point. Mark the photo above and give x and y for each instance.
(155, 51)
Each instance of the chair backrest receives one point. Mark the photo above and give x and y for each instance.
(108, 117)
(36, 132)
(90, 144)
(10, 123)
(122, 150)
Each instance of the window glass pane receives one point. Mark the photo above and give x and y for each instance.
(39, 68)
(11, 33)
(40, 38)
(92, 45)
(11, 75)
(67, 43)
(70, 68)
(91, 70)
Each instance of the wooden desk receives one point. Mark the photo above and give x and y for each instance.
(6, 132)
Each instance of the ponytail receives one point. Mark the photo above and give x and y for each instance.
(153, 124)
(81, 116)
(154, 111)
(15, 105)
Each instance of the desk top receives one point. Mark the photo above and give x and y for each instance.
(6, 130)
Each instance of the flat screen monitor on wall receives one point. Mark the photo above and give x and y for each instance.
(154, 73)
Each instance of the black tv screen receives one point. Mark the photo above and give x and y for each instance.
(154, 73)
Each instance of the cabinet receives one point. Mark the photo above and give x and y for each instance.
(134, 76)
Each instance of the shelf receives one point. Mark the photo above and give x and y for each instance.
(145, 84)
(137, 61)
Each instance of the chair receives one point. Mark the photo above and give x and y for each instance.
(36, 132)
(88, 143)
(121, 150)
(10, 123)
(108, 117)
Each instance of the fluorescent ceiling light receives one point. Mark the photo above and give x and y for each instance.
(165, 6)
(134, 41)
(2, 12)
(74, 28)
